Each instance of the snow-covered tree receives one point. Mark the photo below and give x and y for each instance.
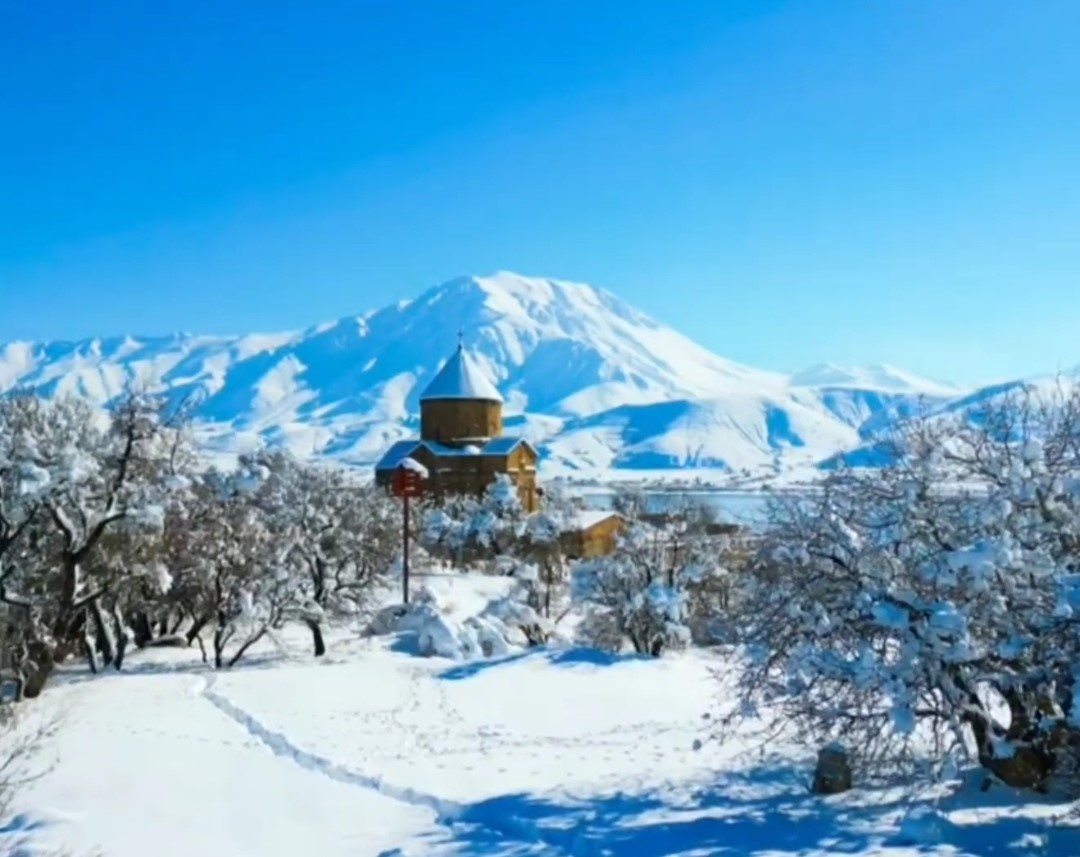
(500, 519)
(339, 536)
(699, 560)
(234, 572)
(444, 527)
(657, 587)
(72, 476)
(461, 527)
(627, 597)
(543, 544)
(927, 609)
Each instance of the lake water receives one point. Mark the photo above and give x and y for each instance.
(737, 507)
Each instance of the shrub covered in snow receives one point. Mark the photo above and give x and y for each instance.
(662, 587)
(516, 616)
(930, 608)
(506, 625)
(624, 604)
(494, 534)
(461, 528)
(543, 546)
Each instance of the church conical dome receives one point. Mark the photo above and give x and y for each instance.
(461, 378)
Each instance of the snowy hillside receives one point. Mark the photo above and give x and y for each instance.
(886, 379)
(972, 407)
(595, 382)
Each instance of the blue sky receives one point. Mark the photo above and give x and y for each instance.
(890, 181)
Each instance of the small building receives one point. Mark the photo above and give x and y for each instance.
(591, 533)
(461, 443)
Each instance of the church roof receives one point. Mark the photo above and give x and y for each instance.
(496, 447)
(461, 378)
(396, 454)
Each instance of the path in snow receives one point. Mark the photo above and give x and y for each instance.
(498, 826)
(280, 746)
(143, 762)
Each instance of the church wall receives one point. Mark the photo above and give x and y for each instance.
(472, 475)
(449, 420)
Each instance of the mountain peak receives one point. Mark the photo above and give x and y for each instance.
(507, 290)
(595, 381)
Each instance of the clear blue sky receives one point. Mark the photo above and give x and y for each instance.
(847, 180)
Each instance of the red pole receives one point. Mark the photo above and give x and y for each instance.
(405, 549)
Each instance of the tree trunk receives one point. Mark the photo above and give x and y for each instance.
(317, 637)
(202, 647)
(193, 632)
(219, 648)
(41, 663)
(1028, 767)
(122, 637)
(248, 643)
(103, 634)
(144, 633)
(91, 655)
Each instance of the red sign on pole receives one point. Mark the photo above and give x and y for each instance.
(407, 483)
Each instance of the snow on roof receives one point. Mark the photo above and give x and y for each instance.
(580, 520)
(585, 519)
(503, 445)
(415, 466)
(395, 454)
(461, 378)
(497, 446)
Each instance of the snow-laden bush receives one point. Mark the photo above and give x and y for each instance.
(544, 547)
(929, 608)
(437, 635)
(488, 532)
(627, 596)
(516, 615)
(660, 584)
(462, 528)
(505, 625)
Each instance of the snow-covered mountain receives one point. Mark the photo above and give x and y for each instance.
(596, 383)
(886, 379)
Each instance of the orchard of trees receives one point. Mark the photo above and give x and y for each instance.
(113, 534)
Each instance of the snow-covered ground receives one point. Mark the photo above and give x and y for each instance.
(371, 751)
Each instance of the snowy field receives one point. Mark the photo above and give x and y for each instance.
(371, 751)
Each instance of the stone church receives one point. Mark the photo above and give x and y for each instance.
(461, 443)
